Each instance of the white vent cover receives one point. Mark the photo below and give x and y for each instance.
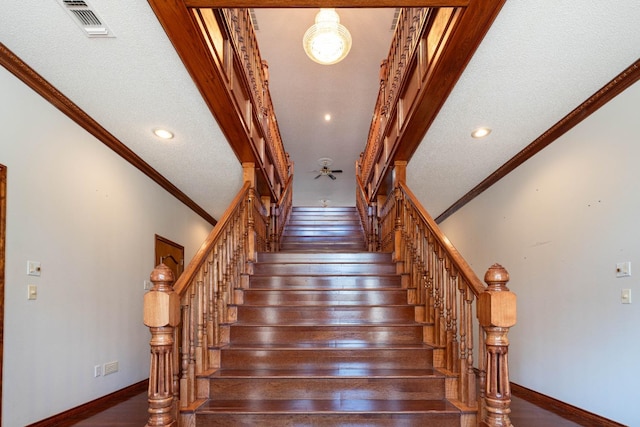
(86, 18)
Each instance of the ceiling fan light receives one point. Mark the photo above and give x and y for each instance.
(327, 41)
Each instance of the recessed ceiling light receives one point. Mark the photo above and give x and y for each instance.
(163, 133)
(327, 117)
(480, 132)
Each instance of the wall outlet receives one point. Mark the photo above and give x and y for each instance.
(97, 371)
(110, 367)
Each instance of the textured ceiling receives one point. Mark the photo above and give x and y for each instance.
(539, 61)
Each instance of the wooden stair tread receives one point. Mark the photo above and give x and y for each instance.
(324, 335)
(314, 373)
(328, 345)
(328, 405)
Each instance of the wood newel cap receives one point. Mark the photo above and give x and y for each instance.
(497, 304)
(497, 277)
(161, 304)
(162, 278)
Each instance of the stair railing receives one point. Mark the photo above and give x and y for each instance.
(189, 321)
(367, 210)
(444, 288)
(280, 215)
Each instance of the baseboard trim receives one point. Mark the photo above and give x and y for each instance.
(570, 412)
(96, 405)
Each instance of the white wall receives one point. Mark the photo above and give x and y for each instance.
(559, 224)
(90, 219)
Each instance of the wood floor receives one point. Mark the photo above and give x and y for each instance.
(133, 413)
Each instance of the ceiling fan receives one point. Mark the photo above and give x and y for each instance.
(325, 171)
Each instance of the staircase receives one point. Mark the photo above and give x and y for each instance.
(325, 337)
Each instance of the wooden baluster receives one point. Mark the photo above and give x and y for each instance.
(467, 374)
(430, 302)
(497, 313)
(184, 353)
(189, 390)
(274, 220)
(200, 337)
(161, 315)
(452, 327)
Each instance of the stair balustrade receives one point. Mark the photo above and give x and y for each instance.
(280, 215)
(189, 321)
(444, 287)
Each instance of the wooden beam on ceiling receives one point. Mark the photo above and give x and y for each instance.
(323, 3)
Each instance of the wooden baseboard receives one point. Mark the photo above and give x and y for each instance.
(96, 405)
(570, 412)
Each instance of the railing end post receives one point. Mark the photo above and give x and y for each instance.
(161, 315)
(496, 314)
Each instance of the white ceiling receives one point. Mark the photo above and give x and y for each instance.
(539, 61)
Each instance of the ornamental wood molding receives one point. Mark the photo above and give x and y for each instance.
(612, 89)
(417, 79)
(35, 81)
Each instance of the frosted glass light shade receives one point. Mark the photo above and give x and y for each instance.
(327, 41)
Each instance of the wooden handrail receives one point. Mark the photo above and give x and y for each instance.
(189, 321)
(429, 51)
(444, 287)
(219, 49)
(476, 285)
(280, 215)
(200, 257)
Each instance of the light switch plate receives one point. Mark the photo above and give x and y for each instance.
(33, 268)
(625, 296)
(623, 269)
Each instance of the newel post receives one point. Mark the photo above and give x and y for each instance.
(496, 314)
(161, 315)
(399, 176)
(249, 174)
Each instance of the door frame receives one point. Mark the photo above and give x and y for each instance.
(173, 244)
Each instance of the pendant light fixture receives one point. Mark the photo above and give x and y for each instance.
(327, 41)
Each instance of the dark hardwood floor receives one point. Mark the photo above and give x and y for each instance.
(132, 413)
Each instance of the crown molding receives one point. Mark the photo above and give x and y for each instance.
(612, 89)
(35, 81)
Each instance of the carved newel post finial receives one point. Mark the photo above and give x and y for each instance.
(161, 315)
(497, 313)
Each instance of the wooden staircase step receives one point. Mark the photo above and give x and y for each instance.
(329, 413)
(304, 257)
(325, 282)
(261, 297)
(330, 384)
(324, 336)
(325, 315)
(378, 333)
(323, 247)
(317, 357)
(343, 232)
(304, 269)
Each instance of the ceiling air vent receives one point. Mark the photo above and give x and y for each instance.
(86, 18)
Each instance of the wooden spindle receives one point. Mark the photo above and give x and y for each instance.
(496, 314)
(161, 315)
